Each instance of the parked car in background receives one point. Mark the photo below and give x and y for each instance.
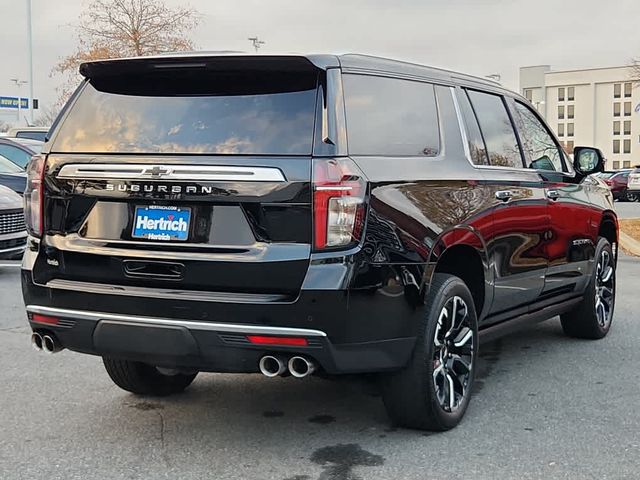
(19, 150)
(633, 185)
(12, 176)
(618, 183)
(309, 214)
(13, 233)
(33, 133)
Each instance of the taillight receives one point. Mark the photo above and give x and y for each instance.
(33, 195)
(339, 189)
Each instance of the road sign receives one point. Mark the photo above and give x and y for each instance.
(12, 102)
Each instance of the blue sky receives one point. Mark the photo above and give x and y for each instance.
(475, 36)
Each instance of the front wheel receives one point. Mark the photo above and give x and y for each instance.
(632, 197)
(592, 317)
(432, 392)
(143, 379)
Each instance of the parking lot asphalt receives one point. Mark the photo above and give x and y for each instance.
(545, 406)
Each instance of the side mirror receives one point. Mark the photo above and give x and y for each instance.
(587, 160)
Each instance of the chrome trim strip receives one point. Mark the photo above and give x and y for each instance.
(170, 172)
(192, 325)
(463, 129)
(165, 293)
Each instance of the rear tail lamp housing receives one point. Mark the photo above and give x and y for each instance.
(339, 192)
(34, 196)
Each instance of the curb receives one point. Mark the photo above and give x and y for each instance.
(629, 244)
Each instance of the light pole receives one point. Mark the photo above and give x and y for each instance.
(19, 83)
(30, 56)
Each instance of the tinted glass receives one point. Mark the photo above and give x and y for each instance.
(387, 116)
(540, 150)
(476, 143)
(7, 166)
(16, 155)
(32, 135)
(181, 112)
(497, 130)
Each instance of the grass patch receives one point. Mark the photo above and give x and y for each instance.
(630, 226)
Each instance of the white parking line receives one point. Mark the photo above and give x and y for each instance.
(10, 265)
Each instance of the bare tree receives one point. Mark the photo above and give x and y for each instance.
(635, 70)
(46, 117)
(122, 28)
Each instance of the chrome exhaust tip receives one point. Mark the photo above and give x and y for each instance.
(49, 344)
(36, 341)
(300, 367)
(272, 366)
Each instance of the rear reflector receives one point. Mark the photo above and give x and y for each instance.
(291, 341)
(37, 318)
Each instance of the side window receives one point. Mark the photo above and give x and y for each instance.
(17, 156)
(388, 116)
(497, 130)
(477, 148)
(540, 150)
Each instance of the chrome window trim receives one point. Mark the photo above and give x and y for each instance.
(191, 325)
(170, 172)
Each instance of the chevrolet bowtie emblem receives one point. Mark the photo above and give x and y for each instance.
(157, 171)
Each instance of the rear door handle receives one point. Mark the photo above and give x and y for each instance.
(504, 195)
(553, 194)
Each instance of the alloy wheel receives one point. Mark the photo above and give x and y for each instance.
(605, 284)
(454, 354)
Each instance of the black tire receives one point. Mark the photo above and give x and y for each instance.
(143, 379)
(414, 395)
(593, 316)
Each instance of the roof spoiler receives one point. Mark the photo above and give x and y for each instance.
(265, 63)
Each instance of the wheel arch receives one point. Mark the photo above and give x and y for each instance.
(609, 229)
(462, 252)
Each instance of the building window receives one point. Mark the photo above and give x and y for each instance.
(571, 94)
(628, 90)
(560, 112)
(571, 111)
(616, 165)
(528, 93)
(627, 127)
(616, 128)
(616, 146)
(627, 146)
(561, 94)
(617, 90)
(569, 147)
(570, 130)
(561, 129)
(616, 109)
(626, 164)
(627, 109)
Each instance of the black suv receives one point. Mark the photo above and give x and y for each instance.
(308, 214)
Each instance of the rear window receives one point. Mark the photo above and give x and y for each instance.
(388, 116)
(193, 112)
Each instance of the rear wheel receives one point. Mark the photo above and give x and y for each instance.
(432, 392)
(143, 379)
(592, 317)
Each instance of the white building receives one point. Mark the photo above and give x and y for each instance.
(597, 107)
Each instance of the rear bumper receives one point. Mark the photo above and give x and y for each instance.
(212, 336)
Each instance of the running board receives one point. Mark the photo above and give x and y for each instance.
(516, 323)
